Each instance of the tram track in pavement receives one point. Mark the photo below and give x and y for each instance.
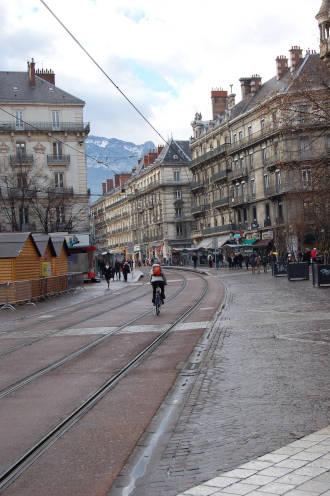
(21, 464)
(50, 334)
(83, 349)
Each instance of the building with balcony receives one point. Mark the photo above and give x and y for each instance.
(42, 154)
(153, 203)
(260, 167)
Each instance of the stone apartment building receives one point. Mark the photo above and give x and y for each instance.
(42, 154)
(149, 213)
(255, 164)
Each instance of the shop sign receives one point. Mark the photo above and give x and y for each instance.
(267, 235)
(252, 235)
(237, 236)
(46, 269)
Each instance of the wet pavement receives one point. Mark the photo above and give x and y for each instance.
(263, 383)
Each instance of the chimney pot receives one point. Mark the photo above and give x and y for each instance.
(245, 86)
(31, 66)
(281, 66)
(219, 102)
(295, 57)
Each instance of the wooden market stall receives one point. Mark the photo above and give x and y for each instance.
(19, 257)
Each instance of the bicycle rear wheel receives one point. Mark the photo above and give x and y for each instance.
(157, 303)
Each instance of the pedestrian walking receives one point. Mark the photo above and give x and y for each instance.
(126, 270)
(117, 270)
(253, 262)
(258, 263)
(194, 259)
(264, 261)
(107, 274)
(246, 261)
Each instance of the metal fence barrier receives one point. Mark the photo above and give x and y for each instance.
(29, 291)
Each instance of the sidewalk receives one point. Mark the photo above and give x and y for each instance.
(301, 468)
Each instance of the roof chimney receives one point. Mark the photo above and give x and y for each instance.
(255, 83)
(245, 87)
(31, 69)
(231, 101)
(46, 74)
(219, 102)
(281, 66)
(295, 57)
(109, 185)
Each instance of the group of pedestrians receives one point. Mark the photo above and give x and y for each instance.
(114, 271)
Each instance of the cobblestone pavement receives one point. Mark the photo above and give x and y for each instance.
(264, 383)
(301, 468)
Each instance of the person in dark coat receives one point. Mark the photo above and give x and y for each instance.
(117, 269)
(107, 273)
(194, 259)
(126, 270)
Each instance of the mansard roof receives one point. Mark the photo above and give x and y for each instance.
(308, 71)
(16, 87)
(174, 152)
(324, 9)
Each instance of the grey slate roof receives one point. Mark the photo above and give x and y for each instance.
(42, 92)
(175, 152)
(57, 240)
(310, 66)
(11, 244)
(41, 240)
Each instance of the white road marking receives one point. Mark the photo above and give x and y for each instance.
(207, 308)
(45, 316)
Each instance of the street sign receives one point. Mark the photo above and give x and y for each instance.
(130, 247)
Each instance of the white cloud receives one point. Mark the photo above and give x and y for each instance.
(187, 47)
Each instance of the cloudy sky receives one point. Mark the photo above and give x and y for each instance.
(166, 56)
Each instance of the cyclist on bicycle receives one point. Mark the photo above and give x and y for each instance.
(157, 278)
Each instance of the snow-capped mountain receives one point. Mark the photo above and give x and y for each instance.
(109, 156)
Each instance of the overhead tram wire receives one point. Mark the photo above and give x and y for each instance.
(103, 72)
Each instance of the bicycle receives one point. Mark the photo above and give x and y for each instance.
(158, 300)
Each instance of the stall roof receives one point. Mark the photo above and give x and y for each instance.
(42, 240)
(11, 244)
(205, 243)
(262, 243)
(233, 245)
(57, 240)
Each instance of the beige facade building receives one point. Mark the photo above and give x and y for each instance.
(259, 166)
(42, 154)
(148, 214)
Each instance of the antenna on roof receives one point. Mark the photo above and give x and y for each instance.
(231, 88)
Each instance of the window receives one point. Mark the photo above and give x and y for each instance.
(266, 183)
(22, 180)
(306, 176)
(60, 214)
(304, 147)
(23, 215)
(245, 215)
(57, 148)
(179, 230)
(176, 174)
(239, 218)
(249, 130)
(236, 164)
(222, 220)
(19, 119)
(302, 111)
(235, 138)
(251, 160)
(59, 179)
(262, 124)
(240, 135)
(242, 160)
(280, 211)
(238, 190)
(178, 212)
(267, 210)
(244, 191)
(264, 155)
(20, 148)
(255, 215)
(253, 187)
(178, 194)
(278, 178)
(55, 119)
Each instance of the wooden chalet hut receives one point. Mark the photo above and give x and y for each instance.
(19, 257)
(48, 253)
(60, 264)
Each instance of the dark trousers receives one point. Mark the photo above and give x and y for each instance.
(154, 286)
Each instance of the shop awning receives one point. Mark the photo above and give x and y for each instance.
(249, 241)
(205, 243)
(262, 243)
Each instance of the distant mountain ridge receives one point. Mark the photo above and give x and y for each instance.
(121, 156)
